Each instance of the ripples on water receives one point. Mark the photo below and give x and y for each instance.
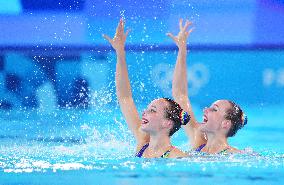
(91, 150)
(112, 155)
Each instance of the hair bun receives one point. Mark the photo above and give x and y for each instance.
(184, 117)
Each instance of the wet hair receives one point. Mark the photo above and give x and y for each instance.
(175, 113)
(237, 117)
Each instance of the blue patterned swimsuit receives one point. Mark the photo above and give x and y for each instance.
(142, 150)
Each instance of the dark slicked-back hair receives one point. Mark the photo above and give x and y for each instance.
(236, 115)
(175, 113)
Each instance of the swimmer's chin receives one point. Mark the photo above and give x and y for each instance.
(141, 129)
(201, 123)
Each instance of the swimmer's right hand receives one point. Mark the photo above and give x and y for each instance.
(118, 41)
(181, 38)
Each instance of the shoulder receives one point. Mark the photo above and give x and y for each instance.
(246, 151)
(142, 138)
(199, 147)
(140, 146)
(234, 150)
(177, 153)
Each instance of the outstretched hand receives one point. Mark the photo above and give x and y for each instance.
(118, 41)
(181, 38)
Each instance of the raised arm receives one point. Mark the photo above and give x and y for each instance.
(123, 88)
(180, 84)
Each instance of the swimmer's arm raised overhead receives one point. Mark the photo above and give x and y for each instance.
(180, 84)
(123, 88)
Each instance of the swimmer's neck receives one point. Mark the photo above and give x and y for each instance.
(215, 144)
(159, 142)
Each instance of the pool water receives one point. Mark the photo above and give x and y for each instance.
(86, 147)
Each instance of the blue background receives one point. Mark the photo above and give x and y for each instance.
(52, 53)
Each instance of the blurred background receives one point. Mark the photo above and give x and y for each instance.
(52, 53)
(57, 72)
(58, 107)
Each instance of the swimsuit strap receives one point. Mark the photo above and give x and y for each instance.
(167, 153)
(203, 145)
(224, 151)
(200, 148)
(141, 151)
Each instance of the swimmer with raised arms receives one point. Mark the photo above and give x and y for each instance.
(162, 118)
(221, 120)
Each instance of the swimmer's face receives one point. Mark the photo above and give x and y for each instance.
(214, 117)
(153, 118)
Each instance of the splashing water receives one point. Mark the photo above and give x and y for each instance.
(92, 146)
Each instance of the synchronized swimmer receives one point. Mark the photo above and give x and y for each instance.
(164, 116)
(221, 120)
